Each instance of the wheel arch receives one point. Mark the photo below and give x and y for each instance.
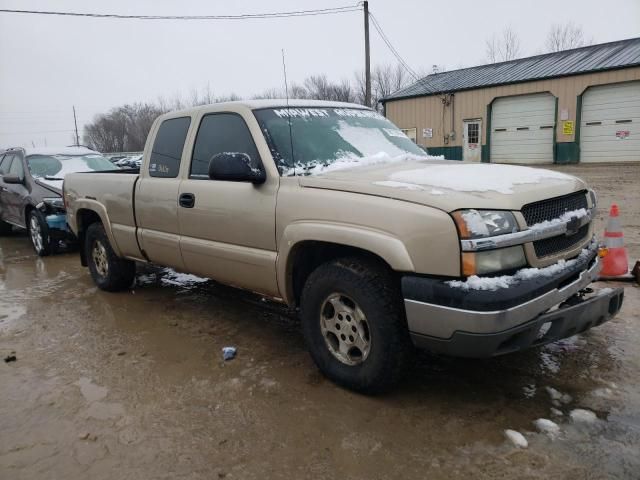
(85, 217)
(304, 248)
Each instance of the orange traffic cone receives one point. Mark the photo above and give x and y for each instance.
(615, 262)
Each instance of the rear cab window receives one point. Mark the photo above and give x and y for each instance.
(218, 133)
(168, 145)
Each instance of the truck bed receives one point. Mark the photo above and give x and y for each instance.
(111, 194)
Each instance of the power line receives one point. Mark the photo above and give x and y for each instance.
(421, 80)
(248, 16)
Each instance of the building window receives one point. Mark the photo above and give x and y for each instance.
(473, 130)
(411, 133)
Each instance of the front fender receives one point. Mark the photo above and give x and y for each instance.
(384, 245)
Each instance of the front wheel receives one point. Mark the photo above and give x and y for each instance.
(354, 324)
(109, 272)
(39, 233)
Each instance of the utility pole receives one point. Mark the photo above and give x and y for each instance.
(367, 58)
(76, 124)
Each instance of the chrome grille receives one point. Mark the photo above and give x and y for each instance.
(554, 245)
(553, 208)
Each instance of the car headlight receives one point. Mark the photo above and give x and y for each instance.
(474, 224)
(484, 223)
(54, 202)
(490, 261)
(594, 198)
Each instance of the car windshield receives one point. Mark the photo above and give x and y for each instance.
(321, 137)
(55, 167)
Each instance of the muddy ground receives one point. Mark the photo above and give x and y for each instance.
(132, 385)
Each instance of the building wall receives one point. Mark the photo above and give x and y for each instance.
(429, 112)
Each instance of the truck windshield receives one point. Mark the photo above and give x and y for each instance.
(55, 167)
(322, 136)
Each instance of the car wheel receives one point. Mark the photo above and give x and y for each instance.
(109, 272)
(354, 324)
(39, 233)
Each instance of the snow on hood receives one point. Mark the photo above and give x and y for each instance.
(476, 177)
(445, 184)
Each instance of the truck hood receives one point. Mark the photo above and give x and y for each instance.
(449, 185)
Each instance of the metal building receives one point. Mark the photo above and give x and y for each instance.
(580, 105)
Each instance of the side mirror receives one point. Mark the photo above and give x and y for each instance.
(12, 179)
(235, 167)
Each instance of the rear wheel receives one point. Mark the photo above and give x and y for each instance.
(109, 272)
(39, 233)
(354, 324)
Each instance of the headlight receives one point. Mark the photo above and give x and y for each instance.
(484, 223)
(54, 202)
(489, 261)
(474, 224)
(594, 198)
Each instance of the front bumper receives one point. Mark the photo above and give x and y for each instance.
(467, 324)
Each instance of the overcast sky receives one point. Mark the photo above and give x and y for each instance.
(48, 64)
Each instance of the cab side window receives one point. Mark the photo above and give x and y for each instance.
(218, 133)
(167, 147)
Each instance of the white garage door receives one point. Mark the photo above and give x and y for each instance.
(610, 123)
(522, 129)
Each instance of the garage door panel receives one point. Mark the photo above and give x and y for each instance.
(610, 124)
(522, 129)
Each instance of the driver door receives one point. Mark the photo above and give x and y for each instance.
(12, 195)
(227, 231)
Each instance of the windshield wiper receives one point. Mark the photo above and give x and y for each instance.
(47, 177)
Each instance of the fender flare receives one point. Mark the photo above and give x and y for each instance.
(101, 211)
(380, 243)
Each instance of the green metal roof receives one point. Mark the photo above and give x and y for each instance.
(594, 58)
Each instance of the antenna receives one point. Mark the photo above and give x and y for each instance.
(286, 91)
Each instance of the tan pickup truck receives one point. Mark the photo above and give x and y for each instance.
(331, 209)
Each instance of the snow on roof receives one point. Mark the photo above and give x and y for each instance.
(267, 103)
(70, 150)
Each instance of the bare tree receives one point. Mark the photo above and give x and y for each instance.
(565, 37)
(503, 47)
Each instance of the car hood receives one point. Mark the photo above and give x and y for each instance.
(54, 186)
(449, 185)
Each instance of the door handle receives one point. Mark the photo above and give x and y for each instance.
(187, 200)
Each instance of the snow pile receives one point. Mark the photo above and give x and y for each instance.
(475, 282)
(172, 277)
(516, 438)
(547, 426)
(476, 177)
(562, 219)
(583, 416)
(558, 397)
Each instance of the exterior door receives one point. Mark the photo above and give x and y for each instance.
(523, 128)
(12, 194)
(472, 150)
(610, 123)
(157, 195)
(228, 234)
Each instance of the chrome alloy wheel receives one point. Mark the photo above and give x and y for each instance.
(345, 329)
(36, 234)
(99, 255)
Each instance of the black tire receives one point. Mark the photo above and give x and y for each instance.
(112, 273)
(5, 228)
(370, 286)
(39, 233)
